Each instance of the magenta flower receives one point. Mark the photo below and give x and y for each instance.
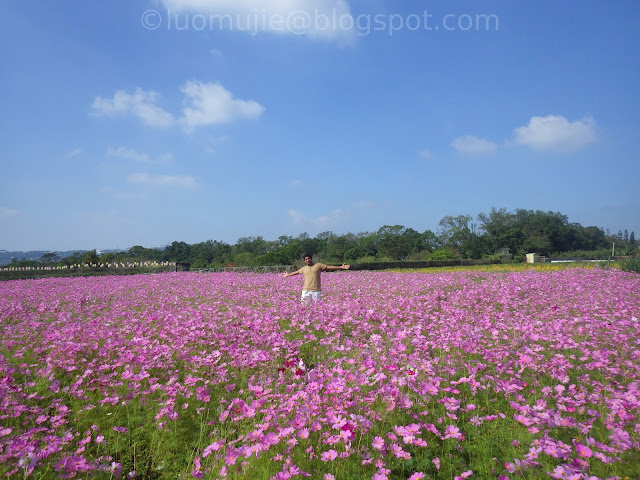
(452, 432)
(583, 450)
(378, 443)
(329, 455)
(464, 475)
(214, 447)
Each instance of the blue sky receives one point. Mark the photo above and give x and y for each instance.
(144, 122)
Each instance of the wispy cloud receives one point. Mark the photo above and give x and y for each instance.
(471, 145)
(425, 154)
(8, 212)
(556, 133)
(138, 157)
(295, 183)
(322, 221)
(180, 181)
(208, 104)
(76, 152)
(141, 104)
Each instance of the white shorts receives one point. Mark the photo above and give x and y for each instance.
(308, 296)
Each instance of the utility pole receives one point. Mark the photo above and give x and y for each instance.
(613, 250)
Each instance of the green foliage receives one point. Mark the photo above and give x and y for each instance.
(631, 264)
(91, 257)
(23, 263)
(177, 252)
(50, 257)
(458, 237)
(74, 258)
(441, 255)
(601, 254)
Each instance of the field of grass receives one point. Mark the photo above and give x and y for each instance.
(471, 373)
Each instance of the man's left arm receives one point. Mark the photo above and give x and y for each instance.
(344, 266)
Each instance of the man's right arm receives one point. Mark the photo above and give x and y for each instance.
(287, 274)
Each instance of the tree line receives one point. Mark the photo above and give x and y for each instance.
(498, 234)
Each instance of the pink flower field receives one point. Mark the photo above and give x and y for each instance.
(457, 375)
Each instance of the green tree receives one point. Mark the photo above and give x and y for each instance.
(73, 259)
(177, 252)
(459, 234)
(111, 257)
(398, 242)
(50, 257)
(244, 259)
(91, 257)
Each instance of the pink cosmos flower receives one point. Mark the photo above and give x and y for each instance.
(214, 447)
(452, 432)
(463, 475)
(583, 450)
(397, 450)
(378, 443)
(436, 462)
(417, 476)
(329, 455)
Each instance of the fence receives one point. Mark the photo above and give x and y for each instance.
(85, 270)
(255, 269)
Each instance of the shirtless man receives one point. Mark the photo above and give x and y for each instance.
(311, 271)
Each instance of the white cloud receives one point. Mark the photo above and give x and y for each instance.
(182, 181)
(324, 19)
(296, 216)
(556, 133)
(212, 104)
(473, 145)
(426, 154)
(139, 157)
(128, 154)
(318, 222)
(141, 103)
(214, 52)
(8, 212)
(295, 183)
(76, 152)
(208, 104)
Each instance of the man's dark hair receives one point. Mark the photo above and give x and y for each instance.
(307, 255)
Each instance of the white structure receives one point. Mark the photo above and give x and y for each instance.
(535, 258)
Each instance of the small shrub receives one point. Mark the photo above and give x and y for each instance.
(631, 264)
(441, 255)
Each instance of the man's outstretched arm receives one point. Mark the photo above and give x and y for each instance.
(344, 266)
(287, 274)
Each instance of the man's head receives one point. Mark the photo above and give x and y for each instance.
(308, 259)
